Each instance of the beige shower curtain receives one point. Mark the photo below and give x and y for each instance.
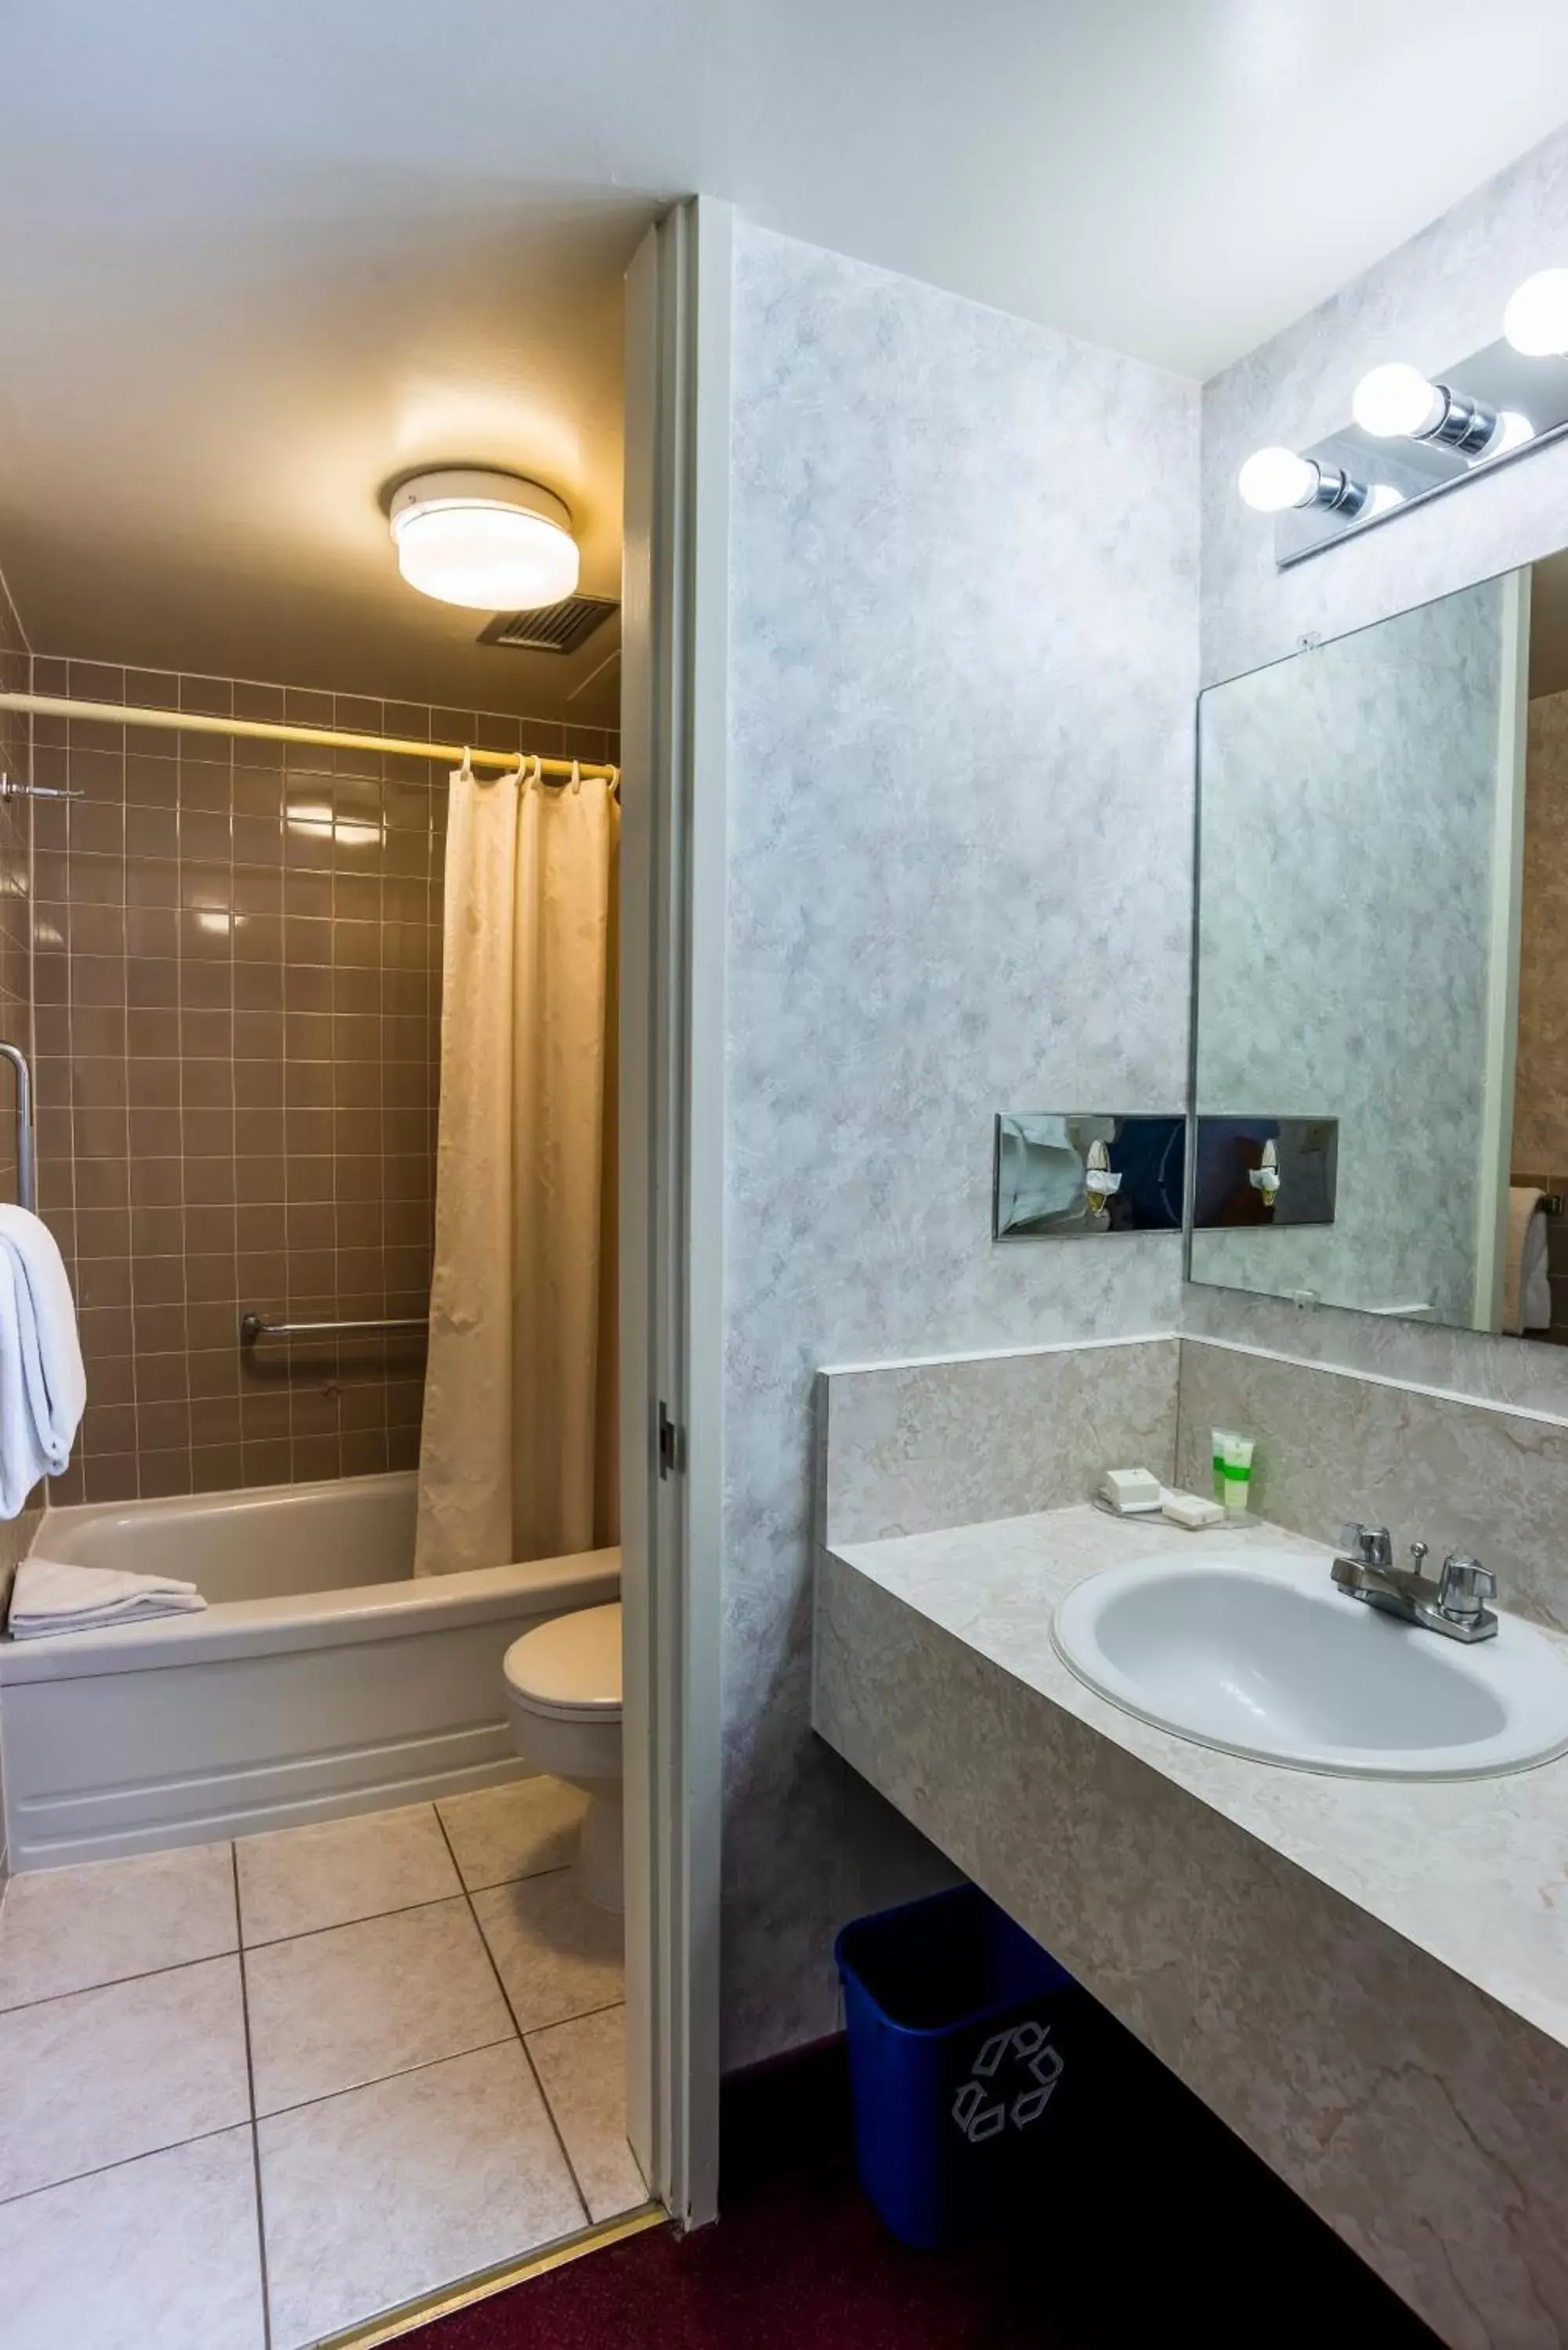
(517, 1459)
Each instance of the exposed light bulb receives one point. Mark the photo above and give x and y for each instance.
(1273, 480)
(1397, 402)
(1536, 319)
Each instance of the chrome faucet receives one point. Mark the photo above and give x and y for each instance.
(1452, 1605)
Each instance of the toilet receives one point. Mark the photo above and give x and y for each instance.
(562, 1693)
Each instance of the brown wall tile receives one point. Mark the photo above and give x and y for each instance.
(236, 987)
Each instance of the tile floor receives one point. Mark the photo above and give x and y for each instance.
(252, 2093)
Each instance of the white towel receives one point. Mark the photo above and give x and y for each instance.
(50, 1595)
(1536, 1274)
(1525, 1207)
(43, 1387)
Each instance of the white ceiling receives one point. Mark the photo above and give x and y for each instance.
(258, 257)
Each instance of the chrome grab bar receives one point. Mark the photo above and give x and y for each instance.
(26, 1164)
(254, 1332)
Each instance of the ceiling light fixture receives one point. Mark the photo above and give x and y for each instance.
(1273, 481)
(1395, 403)
(1536, 319)
(494, 542)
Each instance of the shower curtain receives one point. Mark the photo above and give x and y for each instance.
(518, 1455)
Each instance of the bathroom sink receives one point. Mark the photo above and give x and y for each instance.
(1258, 1654)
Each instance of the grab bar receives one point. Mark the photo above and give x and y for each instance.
(26, 1165)
(254, 1332)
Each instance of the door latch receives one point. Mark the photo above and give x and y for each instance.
(671, 1445)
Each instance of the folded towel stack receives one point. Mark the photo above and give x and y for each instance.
(51, 1596)
(43, 1387)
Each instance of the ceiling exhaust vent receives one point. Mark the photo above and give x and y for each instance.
(553, 628)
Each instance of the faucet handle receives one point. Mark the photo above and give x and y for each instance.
(1466, 1584)
(1368, 1546)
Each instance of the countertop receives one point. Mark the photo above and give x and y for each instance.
(1474, 1872)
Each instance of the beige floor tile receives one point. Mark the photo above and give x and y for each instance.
(374, 2197)
(520, 1830)
(337, 2010)
(301, 1879)
(582, 2066)
(159, 2254)
(65, 1930)
(105, 2076)
(556, 1954)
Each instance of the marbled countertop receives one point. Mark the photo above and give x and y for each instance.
(1474, 1871)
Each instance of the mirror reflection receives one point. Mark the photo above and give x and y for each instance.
(1381, 1040)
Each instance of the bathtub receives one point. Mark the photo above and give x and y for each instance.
(321, 1678)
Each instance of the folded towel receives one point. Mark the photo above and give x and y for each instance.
(1525, 1206)
(50, 1595)
(43, 1387)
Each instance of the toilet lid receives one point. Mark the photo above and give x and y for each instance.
(570, 1666)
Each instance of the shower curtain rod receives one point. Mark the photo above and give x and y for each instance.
(261, 730)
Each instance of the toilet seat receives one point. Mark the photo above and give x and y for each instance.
(570, 1668)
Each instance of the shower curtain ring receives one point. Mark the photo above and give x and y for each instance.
(466, 770)
(577, 777)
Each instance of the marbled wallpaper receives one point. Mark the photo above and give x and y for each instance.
(963, 656)
(1432, 300)
(1349, 800)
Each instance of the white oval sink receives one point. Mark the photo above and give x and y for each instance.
(1257, 1653)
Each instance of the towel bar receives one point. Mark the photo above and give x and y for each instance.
(26, 1180)
(254, 1332)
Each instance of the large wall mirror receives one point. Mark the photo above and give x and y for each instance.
(1381, 1036)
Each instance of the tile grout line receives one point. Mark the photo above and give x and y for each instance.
(521, 2041)
(379, 2080)
(121, 2162)
(404, 1909)
(255, 2138)
(114, 1982)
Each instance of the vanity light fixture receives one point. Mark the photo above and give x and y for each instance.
(1395, 403)
(490, 541)
(1413, 437)
(1273, 481)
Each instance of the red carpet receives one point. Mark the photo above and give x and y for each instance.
(803, 2264)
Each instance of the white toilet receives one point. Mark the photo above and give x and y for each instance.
(562, 1692)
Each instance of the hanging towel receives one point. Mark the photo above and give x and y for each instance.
(50, 1595)
(1525, 1270)
(1537, 1273)
(43, 1387)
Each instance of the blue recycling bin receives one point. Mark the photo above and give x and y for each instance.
(963, 2033)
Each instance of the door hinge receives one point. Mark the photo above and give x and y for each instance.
(671, 1445)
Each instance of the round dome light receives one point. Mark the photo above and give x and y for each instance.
(490, 541)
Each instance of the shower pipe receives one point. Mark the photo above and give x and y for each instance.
(261, 730)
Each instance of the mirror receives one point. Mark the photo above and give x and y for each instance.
(1380, 1053)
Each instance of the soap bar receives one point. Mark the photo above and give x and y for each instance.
(1191, 1511)
(1129, 1490)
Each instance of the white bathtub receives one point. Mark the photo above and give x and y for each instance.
(321, 1678)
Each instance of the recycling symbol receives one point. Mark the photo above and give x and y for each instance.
(1014, 2080)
